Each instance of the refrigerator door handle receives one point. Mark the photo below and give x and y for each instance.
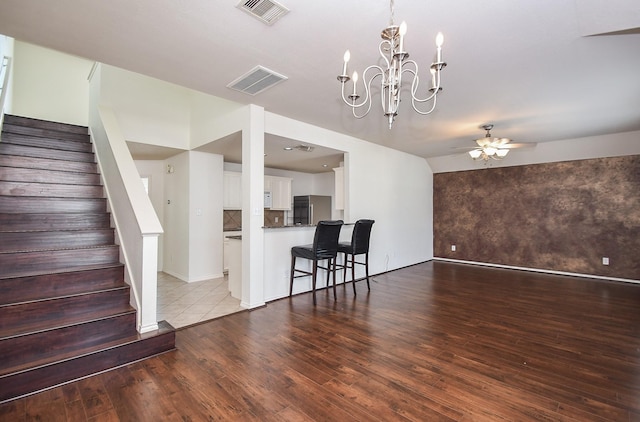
(310, 219)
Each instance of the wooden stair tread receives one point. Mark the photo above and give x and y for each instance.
(47, 163)
(23, 383)
(45, 124)
(37, 287)
(46, 240)
(68, 269)
(47, 142)
(63, 321)
(10, 128)
(40, 152)
(31, 175)
(66, 356)
(31, 204)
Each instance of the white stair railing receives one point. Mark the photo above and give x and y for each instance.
(4, 84)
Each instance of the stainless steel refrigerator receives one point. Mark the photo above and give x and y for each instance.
(309, 209)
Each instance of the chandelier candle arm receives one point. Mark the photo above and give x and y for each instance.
(392, 51)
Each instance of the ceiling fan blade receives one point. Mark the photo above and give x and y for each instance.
(519, 145)
(465, 148)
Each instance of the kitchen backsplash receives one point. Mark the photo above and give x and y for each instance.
(270, 218)
(232, 219)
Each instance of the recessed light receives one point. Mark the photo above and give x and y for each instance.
(288, 148)
(325, 165)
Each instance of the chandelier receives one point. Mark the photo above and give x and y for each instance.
(489, 147)
(395, 58)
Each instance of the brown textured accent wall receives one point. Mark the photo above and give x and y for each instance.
(557, 216)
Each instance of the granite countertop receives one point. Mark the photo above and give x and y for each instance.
(298, 225)
(290, 226)
(235, 237)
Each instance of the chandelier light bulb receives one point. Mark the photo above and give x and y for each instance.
(355, 80)
(347, 56)
(403, 30)
(439, 41)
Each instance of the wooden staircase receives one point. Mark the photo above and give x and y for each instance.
(64, 305)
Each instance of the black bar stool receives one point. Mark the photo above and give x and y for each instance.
(359, 245)
(325, 246)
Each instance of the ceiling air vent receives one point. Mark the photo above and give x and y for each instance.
(256, 80)
(268, 11)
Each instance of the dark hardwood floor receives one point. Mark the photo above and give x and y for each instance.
(436, 341)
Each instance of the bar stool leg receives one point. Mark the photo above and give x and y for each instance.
(335, 296)
(366, 268)
(315, 273)
(293, 266)
(353, 272)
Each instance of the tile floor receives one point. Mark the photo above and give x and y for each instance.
(182, 304)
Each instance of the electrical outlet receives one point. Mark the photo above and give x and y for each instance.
(453, 248)
(605, 260)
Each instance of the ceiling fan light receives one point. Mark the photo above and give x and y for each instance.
(475, 154)
(502, 153)
(490, 151)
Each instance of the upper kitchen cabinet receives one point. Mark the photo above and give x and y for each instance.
(280, 188)
(232, 190)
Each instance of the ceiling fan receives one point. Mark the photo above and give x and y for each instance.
(493, 148)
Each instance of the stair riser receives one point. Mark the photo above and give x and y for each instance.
(24, 383)
(50, 190)
(47, 176)
(53, 222)
(34, 241)
(23, 263)
(27, 204)
(23, 289)
(44, 133)
(44, 124)
(54, 154)
(28, 317)
(47, 164)
(20, 351)
(34, 141)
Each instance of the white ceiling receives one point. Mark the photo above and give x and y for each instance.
(539, 70)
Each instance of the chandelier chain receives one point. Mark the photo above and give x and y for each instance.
(391, 10)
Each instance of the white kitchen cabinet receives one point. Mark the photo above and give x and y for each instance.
(339, 187)
(280, 188)
(232, 190)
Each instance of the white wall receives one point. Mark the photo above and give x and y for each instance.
(176, 217)
(612, 145)
(149, 111)
(155, 170)
(50, 85)
(205, 109)
(205, 219)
